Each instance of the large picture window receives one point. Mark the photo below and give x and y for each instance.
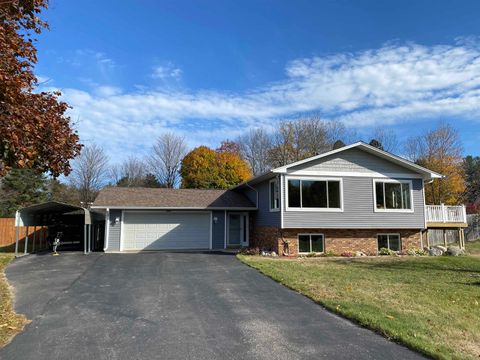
(308, 243)
(314, 194)
(393, 195)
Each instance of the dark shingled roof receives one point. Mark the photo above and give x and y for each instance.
(170, 198)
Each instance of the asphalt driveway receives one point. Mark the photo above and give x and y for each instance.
(174, 306)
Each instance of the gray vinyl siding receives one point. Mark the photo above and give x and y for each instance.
(263, 216)
(353, 160)
(218, 230)
(358, 205)
(114, 231)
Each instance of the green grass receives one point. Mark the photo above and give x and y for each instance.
(429, 304)
(473, 247)
(10, 322)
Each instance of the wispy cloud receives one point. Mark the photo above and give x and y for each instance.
(395, 83)
(166, 72)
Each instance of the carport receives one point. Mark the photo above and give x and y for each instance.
(82, 229)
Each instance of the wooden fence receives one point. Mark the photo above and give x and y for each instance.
(8, 233)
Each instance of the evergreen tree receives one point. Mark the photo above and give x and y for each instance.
(21, 188)
(471, 167)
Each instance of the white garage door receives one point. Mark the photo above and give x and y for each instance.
(163, 231)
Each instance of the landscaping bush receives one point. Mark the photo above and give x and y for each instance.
(415, 252)
(385, 251)
(328, 254)
(249, 251)
(348, 254)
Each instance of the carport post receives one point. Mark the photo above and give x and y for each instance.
(85, 239)
(17, 238)
(89, 238)
(34, 238)
(26, 241)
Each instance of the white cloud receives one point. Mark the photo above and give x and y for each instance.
(395, 83)
(166, 71)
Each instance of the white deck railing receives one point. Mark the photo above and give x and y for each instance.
(444, 213)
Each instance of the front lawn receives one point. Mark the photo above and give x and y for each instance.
(10, 322)
(473, 247)
(429, 304)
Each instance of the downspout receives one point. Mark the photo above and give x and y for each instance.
(286, 246)
(107, 229)
(425, 182)
(256, 205)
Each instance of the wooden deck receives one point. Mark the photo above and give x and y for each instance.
(446, 225)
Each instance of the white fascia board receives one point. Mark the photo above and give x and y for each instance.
(170, 208)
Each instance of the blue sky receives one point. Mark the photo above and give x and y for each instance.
(211, 69)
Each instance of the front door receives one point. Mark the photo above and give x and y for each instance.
(237, 226)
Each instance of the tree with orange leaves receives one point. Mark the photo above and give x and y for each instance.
(440, 150)
(204, 168)
(35, 133)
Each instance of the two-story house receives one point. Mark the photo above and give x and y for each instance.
(356, 198)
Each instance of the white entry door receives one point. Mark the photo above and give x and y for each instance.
(165, 230)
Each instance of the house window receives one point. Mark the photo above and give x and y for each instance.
(314, 194)
(393, 195)
(274, 195)
(389, 241)
(308, 243)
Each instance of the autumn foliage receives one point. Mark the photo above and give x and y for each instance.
(440, 150)
(34, 130)
(204, 168)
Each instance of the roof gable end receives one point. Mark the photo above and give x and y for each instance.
(395, 160)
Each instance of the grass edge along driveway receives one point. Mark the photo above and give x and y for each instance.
(431, 305)
(10, 322)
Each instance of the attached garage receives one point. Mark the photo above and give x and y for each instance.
(139, 219)
(158, 230)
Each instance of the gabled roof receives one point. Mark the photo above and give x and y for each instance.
(160, 198)
(426, 173)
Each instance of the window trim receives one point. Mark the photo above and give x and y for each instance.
(270, 196)
(313, 209)
(392, 181)
(388, 240)
(310, 234)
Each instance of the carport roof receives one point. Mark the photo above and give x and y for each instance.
(35, 214)
(160, 198)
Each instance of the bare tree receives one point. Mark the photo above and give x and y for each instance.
(254, 148)
(299, 139)
(89, 173)
(166, 157)
(337, 131)
(131, 172)
(387, 137)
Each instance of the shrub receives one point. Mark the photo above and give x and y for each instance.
(328, 253)
(249, 251)
(411, 252)
(385, 251)
(348, 254)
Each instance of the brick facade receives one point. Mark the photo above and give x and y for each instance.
(337, 241)
(265, 238)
